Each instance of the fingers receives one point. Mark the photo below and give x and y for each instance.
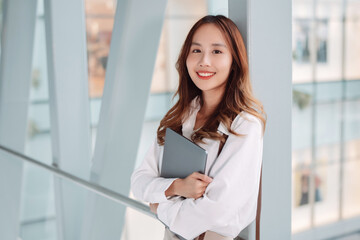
(201, 184)
(153, 207)
(199, 195)
(193, 186)
(202, 177)
(200, 191)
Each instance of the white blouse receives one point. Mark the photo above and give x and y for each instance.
(230, 200)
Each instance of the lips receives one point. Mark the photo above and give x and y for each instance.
(205, 75)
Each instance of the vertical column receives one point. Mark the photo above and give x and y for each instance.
(343, 108)
(69, 108)
(134, 44)
(313, 61)
(15, 77)
(240, 16)
(267, 27)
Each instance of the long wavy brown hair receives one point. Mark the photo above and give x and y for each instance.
(238, 95)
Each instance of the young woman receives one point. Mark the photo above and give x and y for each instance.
(217, 110)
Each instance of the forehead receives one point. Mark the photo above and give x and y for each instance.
(209, 34)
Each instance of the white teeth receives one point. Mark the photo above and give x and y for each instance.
(206, 74)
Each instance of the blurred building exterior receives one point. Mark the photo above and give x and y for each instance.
(326, 101)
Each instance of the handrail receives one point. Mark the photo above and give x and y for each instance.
(107, 193)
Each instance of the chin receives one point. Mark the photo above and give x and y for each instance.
(207, 89)
(202, 87)
(207, 86)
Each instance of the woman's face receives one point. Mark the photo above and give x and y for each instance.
(209, 60)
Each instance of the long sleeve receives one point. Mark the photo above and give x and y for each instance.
(229, 202)
(146, 184)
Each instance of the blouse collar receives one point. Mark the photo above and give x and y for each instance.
(189, 123)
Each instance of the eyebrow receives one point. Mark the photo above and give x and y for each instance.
(214, 44)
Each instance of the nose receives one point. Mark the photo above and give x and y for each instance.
(204, 61)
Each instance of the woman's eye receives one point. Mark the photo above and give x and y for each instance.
(196, 51)
(217, 51)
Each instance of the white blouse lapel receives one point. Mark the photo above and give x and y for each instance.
(211, 146)
(189, 122)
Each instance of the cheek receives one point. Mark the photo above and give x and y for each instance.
(228, 64)
(225, 64)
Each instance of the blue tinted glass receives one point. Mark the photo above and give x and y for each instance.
(353, 89)
(328, 91)
(328, 117)
(352, 120)
(302, 112)
(304, 87)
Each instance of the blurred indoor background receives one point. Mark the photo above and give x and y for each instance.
(325, 112)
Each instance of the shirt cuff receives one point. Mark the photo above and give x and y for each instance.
(157, 194)
(167, 211)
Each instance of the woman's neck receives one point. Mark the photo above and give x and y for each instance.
(210, 103)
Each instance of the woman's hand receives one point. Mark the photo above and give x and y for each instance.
(153, 207)
(193, 186)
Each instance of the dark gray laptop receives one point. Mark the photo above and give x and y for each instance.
(181, 156)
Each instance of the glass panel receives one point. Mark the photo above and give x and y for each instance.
(352, 118)
(99, 25)
(352, 56)
(326, 182)
(160, 80)
(302, 8)
(302, 70)
(301, 212)
(331, 9)
(351, 184)
(302, 116)
(38, 215)
(328, 144)
(38, 142)
(328, 40)
(352, 150)
(301, 45)
(329, 91)
(353, 89)
(328, 130)
(301, 155)
(336, 136)
(328, 50)
(351, 187)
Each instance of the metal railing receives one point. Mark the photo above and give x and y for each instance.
(107, 193)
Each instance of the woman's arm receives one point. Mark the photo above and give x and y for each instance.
(146, 184)
(231, 197)
(193, 186)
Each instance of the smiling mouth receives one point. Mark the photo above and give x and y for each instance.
(205, 75)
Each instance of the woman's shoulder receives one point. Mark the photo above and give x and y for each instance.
(246, 121)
